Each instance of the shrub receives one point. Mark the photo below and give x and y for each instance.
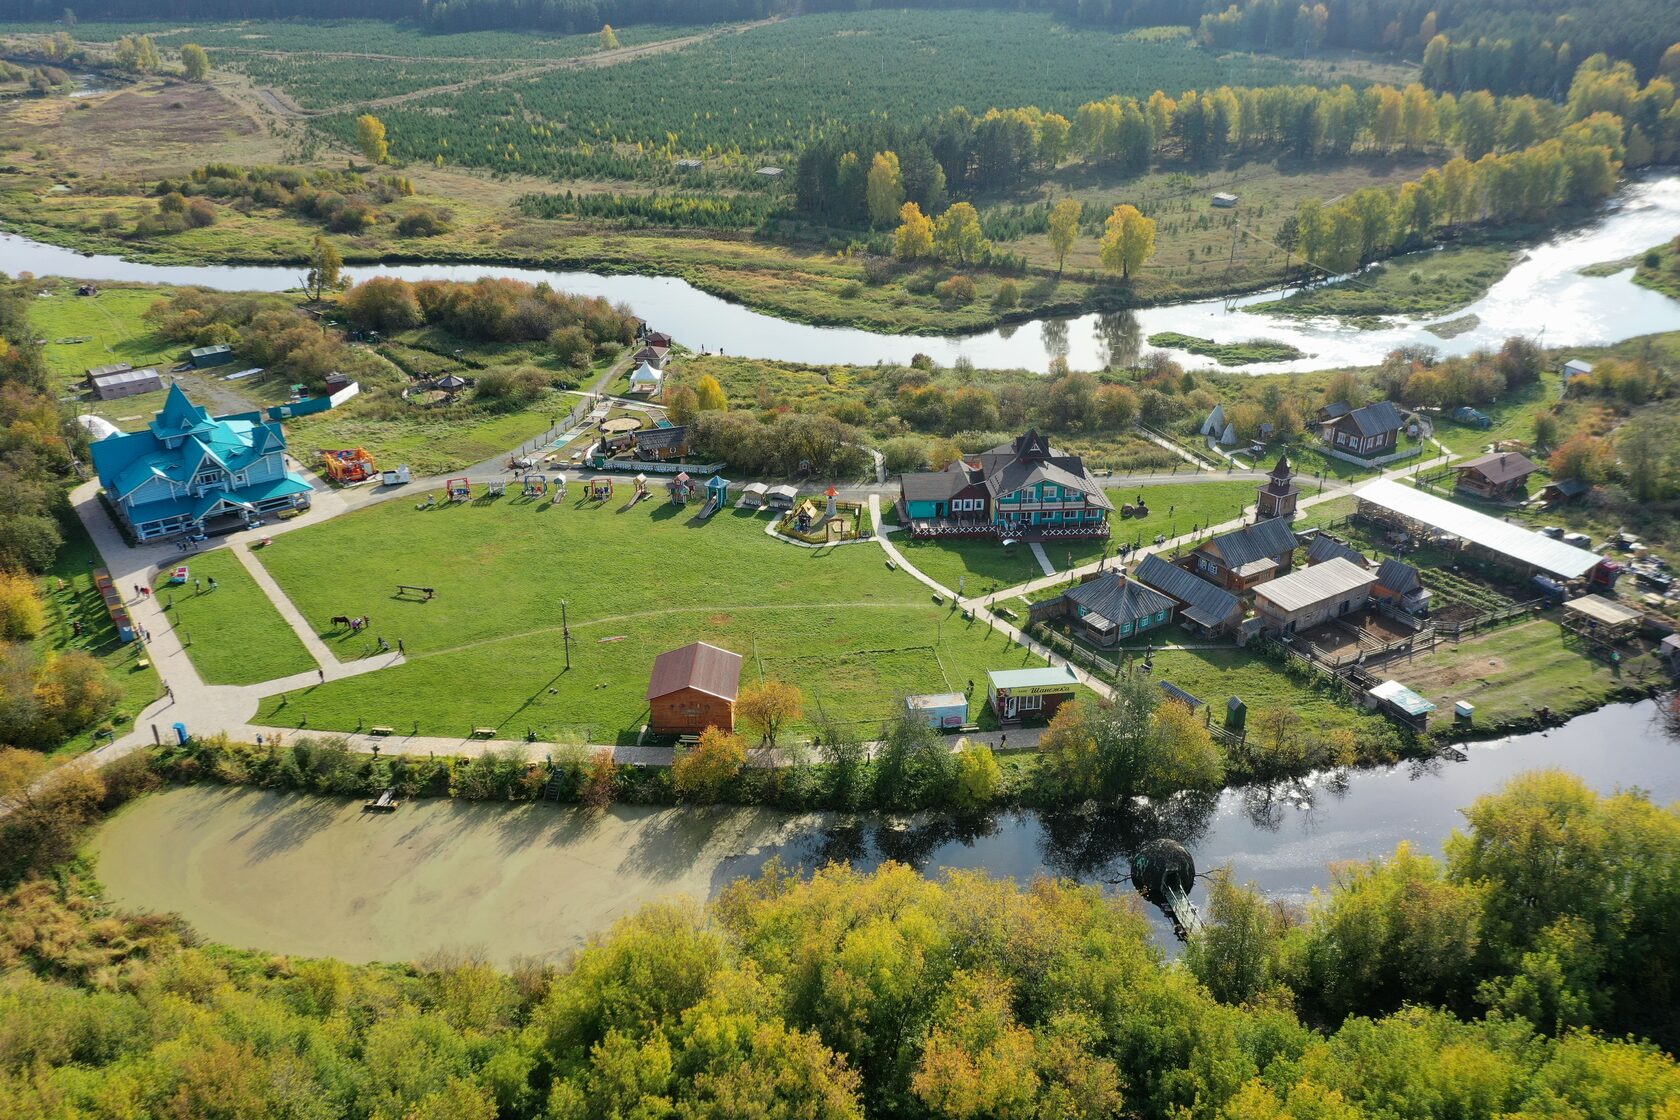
(851, 289)
(957, 290)
(1008, 295)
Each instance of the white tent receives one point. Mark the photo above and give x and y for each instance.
(1215, 422)
(1229, 436)
(645, 376)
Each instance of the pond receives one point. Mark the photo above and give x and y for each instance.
(1545, 292)
(311, 875)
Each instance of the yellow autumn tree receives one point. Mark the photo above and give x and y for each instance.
(767, 706)
(1064, 228)
(609, 38)
(703, 772)
(371, 139)
(22, 614)
(1128, 240)
(913, 240)
(709, 395)
(884, 189)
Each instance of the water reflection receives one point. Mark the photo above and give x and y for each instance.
(1119, 339)
(1054, 332)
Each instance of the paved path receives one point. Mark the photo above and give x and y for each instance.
(1043, 560)
(205, 708)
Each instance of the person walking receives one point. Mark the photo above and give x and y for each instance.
(197, 588)
(323, 675)
(212, 583)
(400, 648)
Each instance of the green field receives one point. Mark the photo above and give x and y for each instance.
(109, 325)
(1512, 415)
(1177, 508)
(487, 650)
(429, 442)
(1429, 283)
(233, 634)
(79, 601)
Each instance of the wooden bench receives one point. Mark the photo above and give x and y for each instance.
(483, 733)
(382, 731)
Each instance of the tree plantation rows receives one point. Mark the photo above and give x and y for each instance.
(758, 93)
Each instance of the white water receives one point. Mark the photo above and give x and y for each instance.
(1544, 297)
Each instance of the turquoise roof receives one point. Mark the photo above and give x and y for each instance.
(180, 439)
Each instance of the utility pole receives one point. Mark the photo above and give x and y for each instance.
(566, 634)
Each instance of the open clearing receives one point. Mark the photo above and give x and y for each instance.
(487, 651)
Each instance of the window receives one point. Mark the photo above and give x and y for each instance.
(1207, 565)
(1030, 703)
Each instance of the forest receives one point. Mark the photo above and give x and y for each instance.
(1513, 977)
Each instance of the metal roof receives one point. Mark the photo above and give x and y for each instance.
(1607, 611)
(1325, 547)
(1399, 577)
(1115, 597)
(1032, 678)
(1554, 557)
(1302, 589)
(700, 666)
(1403, 698)
(1264, 540)
(123, 377)
(1204, 602)
(1500, 467)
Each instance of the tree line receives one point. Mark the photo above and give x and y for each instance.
(1465, 989)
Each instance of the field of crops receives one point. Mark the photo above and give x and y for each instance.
(770, 89)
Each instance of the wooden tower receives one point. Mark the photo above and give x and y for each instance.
(1279, 493)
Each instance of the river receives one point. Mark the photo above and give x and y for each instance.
(1544, 295)
(313, 875)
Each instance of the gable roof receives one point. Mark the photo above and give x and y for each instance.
(1553, 557)
(660, 439)
(1399, 577)
(1261, 541)
(1377, 419)
(1335, 410)
(700, 666)
(181, 438)
(935, 486)
(1119, 599)
(1203, 602)
(1304, 588)
(1501, 467)
(1325, 547)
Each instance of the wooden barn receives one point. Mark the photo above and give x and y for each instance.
(693, 688)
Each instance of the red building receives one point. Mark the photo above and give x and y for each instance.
(694, 688)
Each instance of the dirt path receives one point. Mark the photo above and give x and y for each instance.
(284, 106)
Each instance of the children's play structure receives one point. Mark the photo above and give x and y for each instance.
(348, 465)
(681, 489)
(536, 484)
(599, 489)
(458, 489)
(496, 487)
(717, 493)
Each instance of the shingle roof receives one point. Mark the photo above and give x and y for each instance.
(1312, 585)
(1264, 540)
(1500, 467)
(934, 486)
(1325, 547)
(700, 666)
(660, 439)
(1205, 603)
(1377, 419)
(1119, 599)
(1399, 577)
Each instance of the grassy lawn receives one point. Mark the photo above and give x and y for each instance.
(487, 651)
(79, 601)
(1176, 508)
(429, 441)
(1513, 418)
(1513, 671)
(1431, 283)
(110, 326)
(233, 634)
(1216, 675)
(986, 565)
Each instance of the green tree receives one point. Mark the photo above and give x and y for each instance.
(1064, 228)
(1128, 240)
(979, 777)
(326, 269)
(371, 139)
(1236, 954)
(957, 236)
(884, 192)
(195, 62)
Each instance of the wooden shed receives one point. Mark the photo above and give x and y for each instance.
(693, 688)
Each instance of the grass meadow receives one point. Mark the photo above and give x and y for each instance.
(233, 634)
(488, 650)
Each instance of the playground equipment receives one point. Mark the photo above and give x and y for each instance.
(179, 575)
(536, 485)
(497, 488)
(599, 489)
(641, 489)
(458, 489)
(559, 489)
(681, 488)
(398, 477)
(717, 493)
(348, 465)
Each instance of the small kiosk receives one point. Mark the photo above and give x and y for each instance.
(1017, 694)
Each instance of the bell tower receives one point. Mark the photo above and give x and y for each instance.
(1279, 493)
